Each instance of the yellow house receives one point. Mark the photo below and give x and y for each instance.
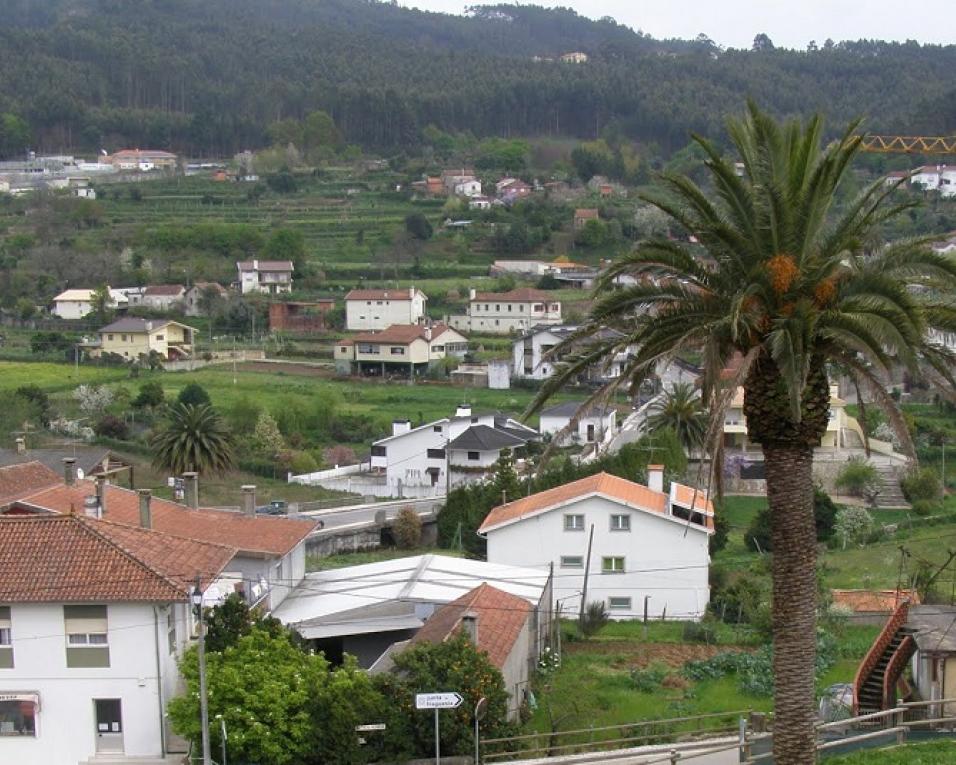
(843, 431)
(398, 348)
(133, 337)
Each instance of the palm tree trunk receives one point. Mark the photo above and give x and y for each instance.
(793, 536)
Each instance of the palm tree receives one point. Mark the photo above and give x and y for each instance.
(194, 439)
(681, 410)
(780, 287)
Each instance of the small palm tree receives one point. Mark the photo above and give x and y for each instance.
(681, 410)
(195, 438)
(781, 287)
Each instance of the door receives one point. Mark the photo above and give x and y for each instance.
(109, 725)
(590, 433)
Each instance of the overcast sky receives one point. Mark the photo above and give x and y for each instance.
(789, 23)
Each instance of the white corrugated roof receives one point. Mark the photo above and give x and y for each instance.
(350, 597)
(87, 295)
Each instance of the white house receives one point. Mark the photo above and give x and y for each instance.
(374, 309)
(593, 425)
(401, 348)
(447, 452)
(649, 546)
(941, 178)
(532, 357)
(271, 276)
(461, 182)
(195, 298)
(502, 313)
(75, 304)
(94, 618)
(163, 297)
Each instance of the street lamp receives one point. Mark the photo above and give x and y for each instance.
(196, 598)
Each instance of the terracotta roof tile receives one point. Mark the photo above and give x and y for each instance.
(501, 617)
(399, 333)
(258, 535)
(25, 478)
(266, 265)
(605, 484)
(69, 558)
(373, 294)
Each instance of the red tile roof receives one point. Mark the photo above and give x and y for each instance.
(164, 290)
(605, 484)
(520, 295)
(69, 558)
(501, 617)
(399, 333)
(265, 265)
(25, 478)
(381, 294)
(263, 535)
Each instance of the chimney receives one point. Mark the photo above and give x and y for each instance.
(411, 293)
(249, 500)
(463, 410)
(401, 426)
(101, 494)
(91, 506)
(69, 471)
(145, 513)
(21, 445)
(428, 334)
(472, 294)
(655, 478)
(469, 625)
(192, 490)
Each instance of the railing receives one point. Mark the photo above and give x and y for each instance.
(872, 658)
(895, 668)
(636, 733)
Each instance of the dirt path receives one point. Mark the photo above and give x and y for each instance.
(631, 654)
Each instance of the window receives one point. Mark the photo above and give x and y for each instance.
(171, 629)
(498, 308)
(436, 428)
(574, 523)
(620, 523)
(474, 456)
(397, 350)
(436, 454)
(438, 349)
(572, 561)
(109, 337)
(521, 308)
(18, 714)
(537, 307)
(612, 565)
(344, 348)
(123, 338)
(87, 644)
(367, 348)
(618, 603)
(6, 639)
(160, 337)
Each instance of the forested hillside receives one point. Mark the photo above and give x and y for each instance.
(207, 77)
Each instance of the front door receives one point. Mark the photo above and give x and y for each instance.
(109, 725)
(590, 433)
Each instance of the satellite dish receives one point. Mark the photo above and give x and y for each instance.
(80, 474)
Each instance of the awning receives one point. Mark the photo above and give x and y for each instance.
(32, 698)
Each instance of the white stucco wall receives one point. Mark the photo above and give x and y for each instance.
(365, 315)
(66, 729)
(661, 560)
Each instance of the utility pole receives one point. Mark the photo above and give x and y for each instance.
(203, 700)
(587, 571)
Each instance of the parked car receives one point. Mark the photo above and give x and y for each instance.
(275, 507)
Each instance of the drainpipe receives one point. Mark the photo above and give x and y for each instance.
(159, 685)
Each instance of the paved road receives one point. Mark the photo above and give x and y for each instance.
(338, 517)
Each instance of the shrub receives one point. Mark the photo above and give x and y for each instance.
(700, 632)
(193, 394)
(110, 426)
(824, 516)
(150, 395)
(922, 485)
(924, 507)
(649, 679)
(857, 477)
(407, 529)
(303, 462)
(595, 617)
(853, 525)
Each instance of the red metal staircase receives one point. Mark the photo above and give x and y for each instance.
(874, 687)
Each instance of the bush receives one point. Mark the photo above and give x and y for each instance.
(700, 632)
(857, 478)
(853, 525)
(824, 516)
(595, 617)
(150, 395)
(407, 529)
(303, 462)
(922, 485)
(924, 507)
(649, 679)
(193, 394)
(110, 426)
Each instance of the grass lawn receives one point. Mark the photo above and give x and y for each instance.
(931, 753)
(55, 377)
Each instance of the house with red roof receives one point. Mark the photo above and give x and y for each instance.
(505, 313)
(270, 276)
(406, 349)
(376, 309)
(163, 297)
(94, 618)
(634, 548)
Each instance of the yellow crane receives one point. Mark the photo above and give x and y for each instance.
(909, 144)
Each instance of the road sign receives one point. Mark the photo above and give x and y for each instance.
(438, 700)
(369, 727)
